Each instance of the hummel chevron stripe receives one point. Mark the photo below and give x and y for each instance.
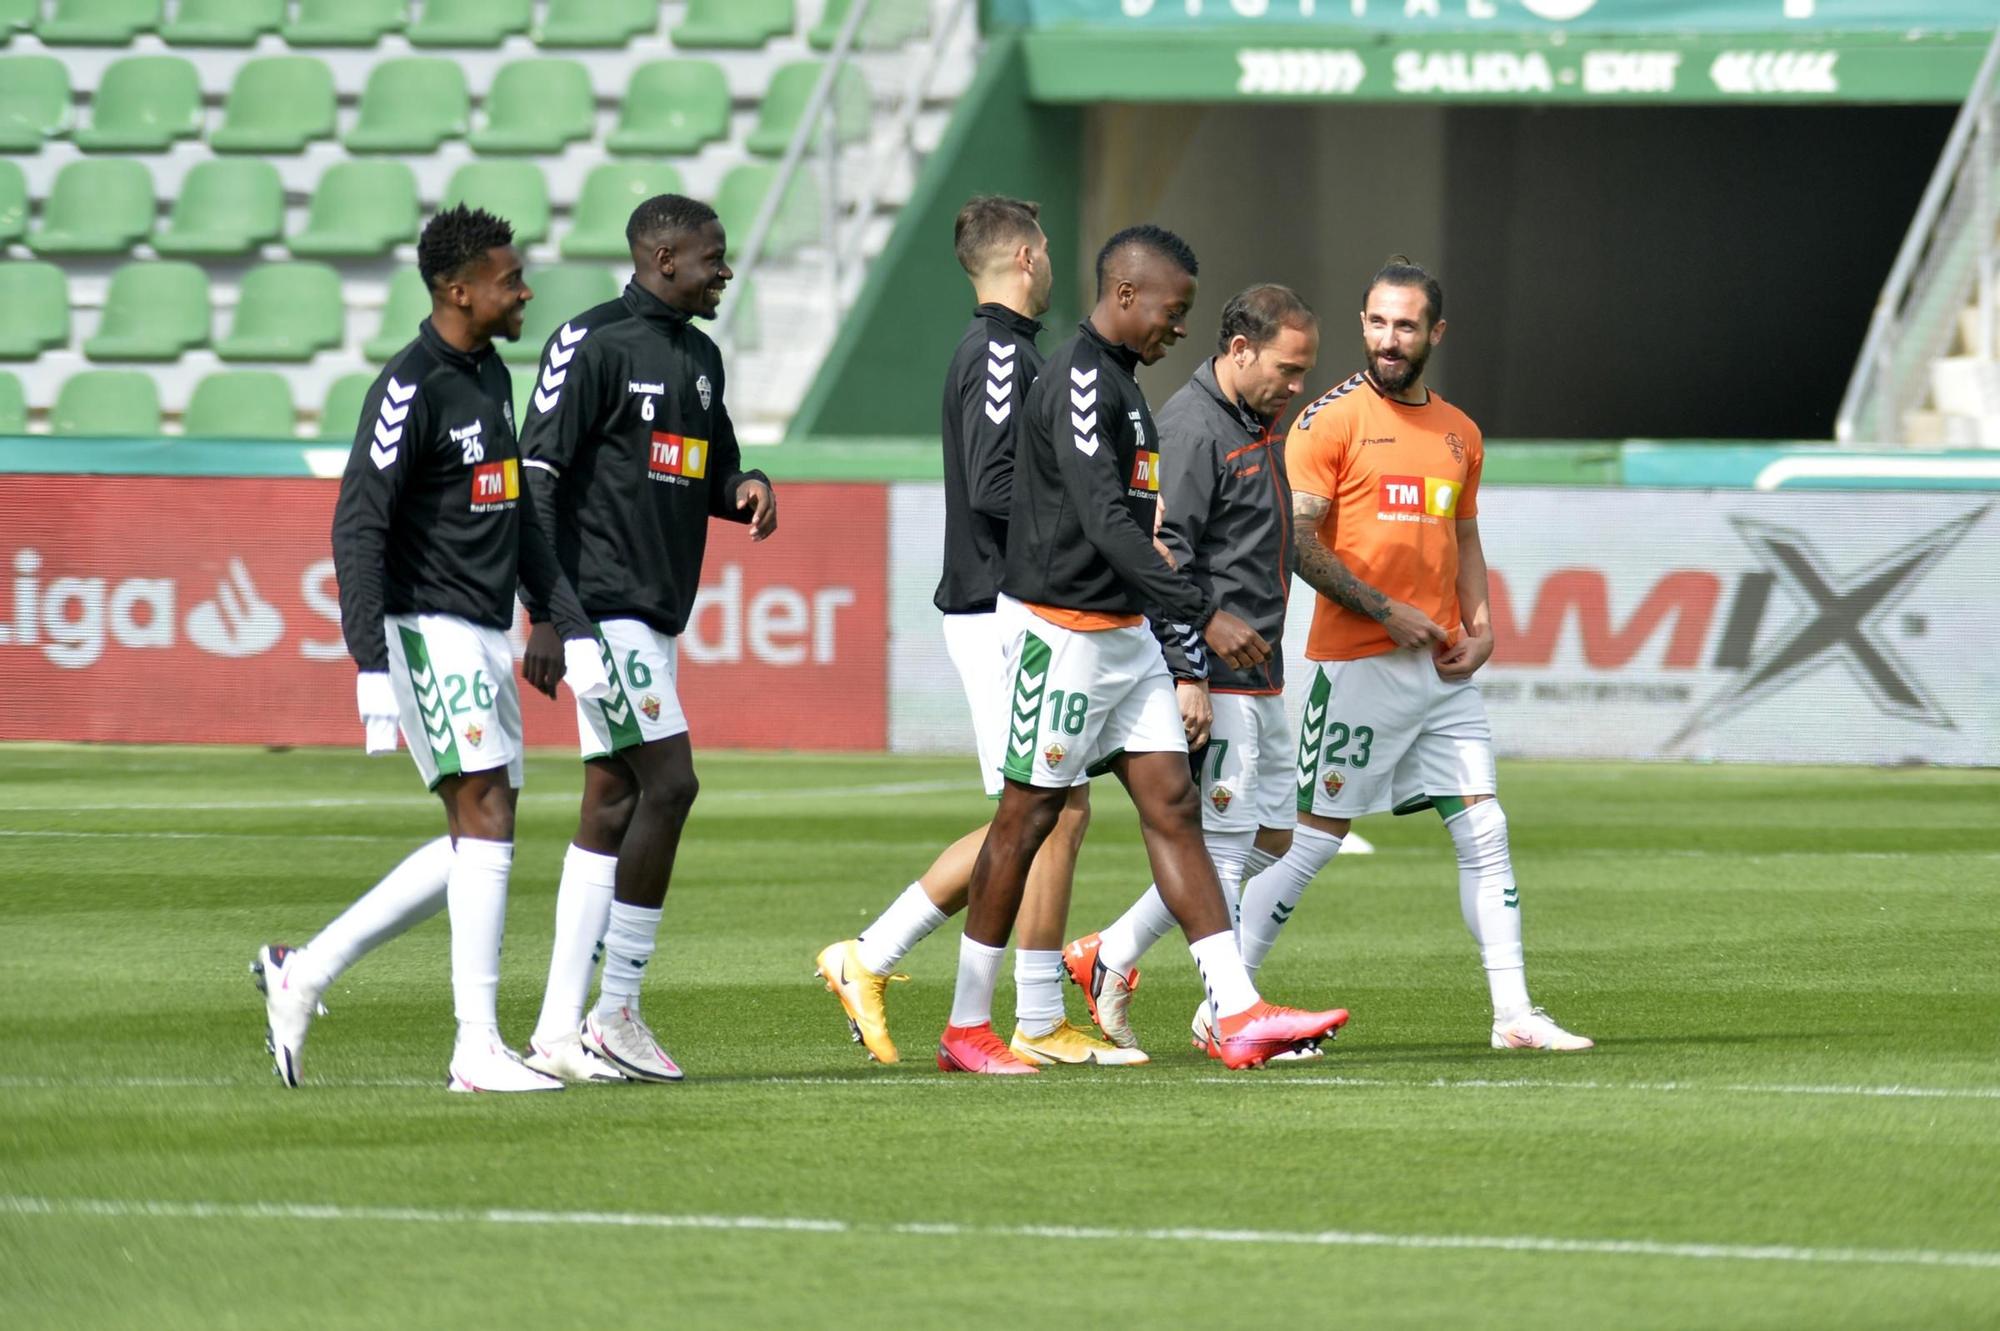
(399, 393)
(1003, 350)
(1081, 378)
(561, 352)
(999, 414)
(395, 407)
(998, 392)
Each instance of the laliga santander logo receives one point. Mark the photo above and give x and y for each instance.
(72, 619)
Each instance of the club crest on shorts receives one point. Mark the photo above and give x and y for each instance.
(650, 705)
(701, 387)
(1333, 781)
(473, 734)
(1221, 798)
(1054, 754)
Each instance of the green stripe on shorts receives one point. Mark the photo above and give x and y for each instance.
(1312, 729)
(616, 706)
(1025, 698)
(430, 704)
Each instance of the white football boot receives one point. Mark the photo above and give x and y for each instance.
(1202, 1028)
(629, 1044)
(489, 1065)
(568, 1059)
(1535, 1029)
(288, 1009)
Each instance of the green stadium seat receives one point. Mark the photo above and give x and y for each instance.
(98, 22)
(226, 22)
(789, 94)
(17, 14)
(469, 22)
(734, 23)
(889, 23)
(672, 106)
(341, 413)
(797, 222)
(96, 206)
(561, 291)
(34, 101)
(411, 106)
(608, 23)
(277, 104)
(36, 299)
(13, 202)
(119, 404)
(226, 207)
(285, 312)
(409, 304)
(144, 103)
(359, 209)
(345, 22)
(241, 404)
(513, 190)
(155, 310)
(537, 106)
(14, 406)
(610, 193)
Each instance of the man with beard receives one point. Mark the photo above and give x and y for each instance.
(1385, 478)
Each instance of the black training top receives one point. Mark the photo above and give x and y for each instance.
(988, 381)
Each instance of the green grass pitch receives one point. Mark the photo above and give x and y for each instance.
(1793, 1118)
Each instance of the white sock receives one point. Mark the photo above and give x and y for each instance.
(1230, 990)
(1257, 861)
(1038, 1000)
(630, 935)
(978, 972)
(1126, 938)
(408, 895)
(909, 921)
(1270, 898)
(1491, 903)
(477, 897)
(1227, 850)
(583, 908)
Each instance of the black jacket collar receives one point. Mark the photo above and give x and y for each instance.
(654, 311)
(1020, 324)
(434, 342)
(1204, 375)
(1118, 351)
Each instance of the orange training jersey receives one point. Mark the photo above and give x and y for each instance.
(1399, 478)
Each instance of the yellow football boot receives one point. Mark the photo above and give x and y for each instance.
(1067, 1044)
(860, 993)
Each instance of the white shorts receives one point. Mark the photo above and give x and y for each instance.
(1246, 771)
(1077, 699)
(974, 644)
(643, 704)
(1384, 732)
(456, 699)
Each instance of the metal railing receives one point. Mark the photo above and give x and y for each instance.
(1948, 258)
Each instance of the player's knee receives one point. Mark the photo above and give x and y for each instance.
(1074, 820)
(1480, 835)
(486, 813)
(1274, 841)
(672, 794)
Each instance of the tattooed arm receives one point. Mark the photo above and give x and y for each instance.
(1324, 572)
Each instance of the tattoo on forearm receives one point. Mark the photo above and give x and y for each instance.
(1322, 570)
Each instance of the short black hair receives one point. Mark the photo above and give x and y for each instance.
(1256, 314)
(456, 239)
(1146, 236)
(989, 221)
(663, 217)
(1399, 270)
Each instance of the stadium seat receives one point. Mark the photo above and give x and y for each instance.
(98, 22)
(610, 193)
(537, 106)
(607, 23)
(226, 22)
(155, 310)
(888, 23)
(241, 404)
(278, 104)
(345, 22)
(734, 23)
(17, 14)
(560, 292)
(469, 22)
(359, 209)
(672, 106)
(144, 103)
(225, 207)
(120, 404)
(13, 202)
(14, 406)
(96, 206)
(34, 101)
(513, 190)
(285, 312)
(409, 304)
(797, 222)
(791, 91)
(411, 106)
(341, 412)
(36, 299)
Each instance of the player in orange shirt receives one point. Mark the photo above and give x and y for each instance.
(1385, 497)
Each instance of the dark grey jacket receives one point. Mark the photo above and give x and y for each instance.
(1228, 520)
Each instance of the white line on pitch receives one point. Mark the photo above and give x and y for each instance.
(1645, 1087)
(97, 1208)
(414, 800)
(51, 834)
